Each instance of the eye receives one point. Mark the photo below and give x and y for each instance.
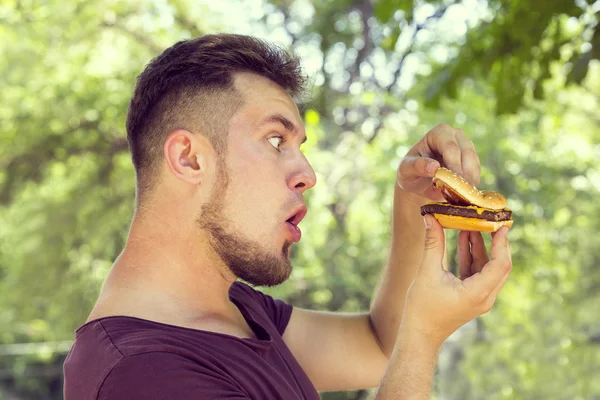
(276, 141)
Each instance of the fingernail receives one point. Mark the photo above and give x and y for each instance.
(427, 222)
(431, 168)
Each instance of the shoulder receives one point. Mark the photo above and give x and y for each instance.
(165, 375)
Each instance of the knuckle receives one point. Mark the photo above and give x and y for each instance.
(443, 127)
(506, 266)
(430, 243)
(452, 147)
(421, 163)
(441, 130)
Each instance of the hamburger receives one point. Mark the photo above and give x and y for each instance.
(466, 207)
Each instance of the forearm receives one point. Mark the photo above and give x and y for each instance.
(408, 232)
(410, 370)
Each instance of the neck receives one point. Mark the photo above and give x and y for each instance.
(168, 272)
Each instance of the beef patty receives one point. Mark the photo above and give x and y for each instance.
(466, 211)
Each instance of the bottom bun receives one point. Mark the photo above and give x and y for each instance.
(470, 224)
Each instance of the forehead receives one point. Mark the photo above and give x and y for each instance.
(263, 98)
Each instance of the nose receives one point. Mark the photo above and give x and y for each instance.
(303, 177)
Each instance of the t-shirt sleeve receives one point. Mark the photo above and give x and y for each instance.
(278, 311)
(166, 376)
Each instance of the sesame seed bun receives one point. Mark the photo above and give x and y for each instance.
(458, 191)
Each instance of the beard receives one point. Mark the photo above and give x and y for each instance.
(245, 258)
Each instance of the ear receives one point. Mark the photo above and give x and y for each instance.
(189, 156)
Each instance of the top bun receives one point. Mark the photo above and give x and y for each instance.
(460, 192)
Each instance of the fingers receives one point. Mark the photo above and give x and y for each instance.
(441, 146)
(464, 255)
(472, 254)
(478, 251)
(414, 167)
(471, 166)
(495, 292)
(500, 245)
(498, 288)
(434, 245)
(509, 252)
(480, 286)
(442, 140)
(457, 151)
(414, 175)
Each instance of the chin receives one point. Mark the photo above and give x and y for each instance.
(267, 280)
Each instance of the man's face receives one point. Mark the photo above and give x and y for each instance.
(258, 196)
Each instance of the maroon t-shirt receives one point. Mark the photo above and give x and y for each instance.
(126, 358)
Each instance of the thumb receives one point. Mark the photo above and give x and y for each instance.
(434, 243)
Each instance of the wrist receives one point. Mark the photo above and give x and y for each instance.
(407, 219)
(409, 199)
(415, 330)
(425, 342)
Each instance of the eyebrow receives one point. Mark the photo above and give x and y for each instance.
(287, 124)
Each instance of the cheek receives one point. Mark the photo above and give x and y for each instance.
(255, 193)
(255, 170)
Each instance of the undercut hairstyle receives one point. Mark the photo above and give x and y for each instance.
(191, 86)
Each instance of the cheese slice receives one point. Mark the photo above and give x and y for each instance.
(470, 224)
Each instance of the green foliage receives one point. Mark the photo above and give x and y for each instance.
(67, 184)
(516, 46)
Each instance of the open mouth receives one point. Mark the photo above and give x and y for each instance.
(297, 216)
(293, 221)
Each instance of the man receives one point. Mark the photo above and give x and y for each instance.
(215, 138)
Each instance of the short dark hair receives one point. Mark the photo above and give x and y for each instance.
(190, 86)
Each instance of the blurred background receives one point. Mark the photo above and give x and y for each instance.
(520, 77)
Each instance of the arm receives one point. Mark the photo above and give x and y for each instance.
(337, 351)
(346, 352)
(442, 146)
(405, 255)
(341, 352)
(438, 303)
(410, 370)
(349, 352)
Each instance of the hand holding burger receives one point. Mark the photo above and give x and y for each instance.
(443, 167)
(439, 175)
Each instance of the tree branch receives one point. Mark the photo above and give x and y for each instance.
(438, 14)
(20, 168)
(366, 11)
